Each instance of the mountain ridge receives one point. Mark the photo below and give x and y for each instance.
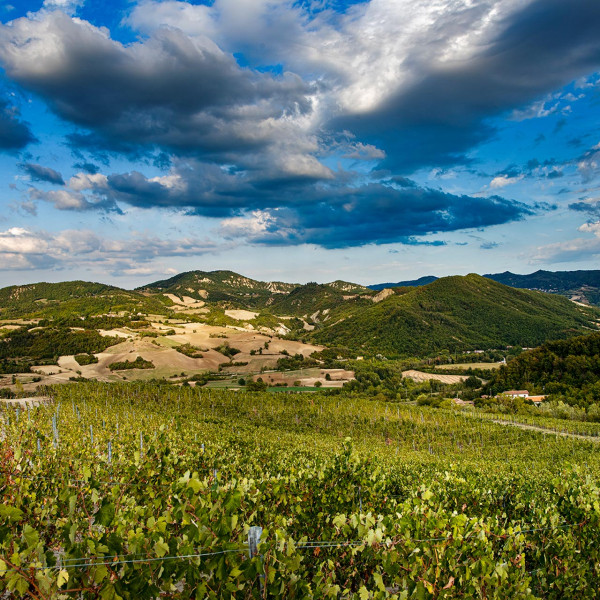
(581, 285)
(456, 313)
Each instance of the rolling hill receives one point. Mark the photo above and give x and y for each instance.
(567, 370)
(243, 292)
(454, 313)
(70, 298)
(581, 286)
(221, 286)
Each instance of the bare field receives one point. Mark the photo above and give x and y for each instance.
(169, 363)
(488, 366)
(308, 377)
(420, 376)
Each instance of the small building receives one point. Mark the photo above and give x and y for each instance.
(516, 393)
(537, 400)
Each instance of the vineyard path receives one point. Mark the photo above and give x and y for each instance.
(545, 430)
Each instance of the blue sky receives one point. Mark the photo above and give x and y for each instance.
(298, 141)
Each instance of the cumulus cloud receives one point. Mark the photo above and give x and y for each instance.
(71, 200)
(589, 164)
(504, 180)
(168, 90)
(587, 205)
(41, 173)
(24, 249)
(571, 250)
(373, 213)
(66, 6)
(400, 83)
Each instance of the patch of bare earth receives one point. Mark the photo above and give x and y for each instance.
(420, 376)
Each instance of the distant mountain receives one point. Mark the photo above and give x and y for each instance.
(454, 313)
(581, 286)
(410, 283)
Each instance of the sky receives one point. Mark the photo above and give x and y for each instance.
(316, 140)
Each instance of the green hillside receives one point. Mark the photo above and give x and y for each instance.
(567, 370)
(306, 300)
(454, 313)
(579, 285)
(221, 286)
(70, 298)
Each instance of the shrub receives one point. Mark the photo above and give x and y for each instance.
(86, 359)
(138, 363)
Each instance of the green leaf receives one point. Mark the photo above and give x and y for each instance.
(379, 581)
(106, 514)
(100, 573)
(161, 548)
(31, 535)
(10, 512)
(62, 578)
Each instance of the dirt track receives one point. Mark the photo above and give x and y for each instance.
(548, 431)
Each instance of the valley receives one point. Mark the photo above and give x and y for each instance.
(417, 442)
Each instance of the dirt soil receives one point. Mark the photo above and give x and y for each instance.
(170, 364)
(420, 376)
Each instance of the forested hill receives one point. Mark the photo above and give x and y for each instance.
(220, 286)
(454, 313)
(70, 298)
(582, 286)
(566, 369)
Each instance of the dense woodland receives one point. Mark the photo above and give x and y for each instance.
(453, 314)
(52, 342)
(565, 370)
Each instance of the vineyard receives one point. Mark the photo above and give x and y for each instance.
(140, 491)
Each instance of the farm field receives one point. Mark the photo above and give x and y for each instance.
(420, 376)
(161, 351)
(480, 365)
(139, 490)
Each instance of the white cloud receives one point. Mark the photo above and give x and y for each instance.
(87, 181)
(255, 225)
(24, 249)
(366, 55)
(67, 6)
(504, 180)
(571, 250)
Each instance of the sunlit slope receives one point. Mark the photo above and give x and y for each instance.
(221, 286)
(454, 313)
(72, 298)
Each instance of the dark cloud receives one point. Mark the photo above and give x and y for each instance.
(373, 213)
(14, 133)
(165, 91)
(539, 49)
(590, 206)
(87, 167)
(41, 173)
